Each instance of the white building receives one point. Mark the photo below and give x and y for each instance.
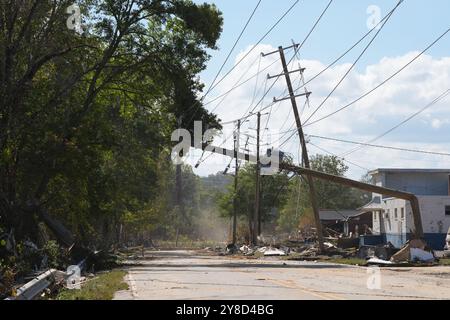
(393, 219)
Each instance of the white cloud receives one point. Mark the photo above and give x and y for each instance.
(405, 94)
(438, 123)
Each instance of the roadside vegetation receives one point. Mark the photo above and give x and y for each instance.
(444, 262)
(88, 106)
(102, 287)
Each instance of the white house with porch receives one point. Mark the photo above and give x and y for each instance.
(392, 218)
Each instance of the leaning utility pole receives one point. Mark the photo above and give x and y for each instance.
(256, 216)
(292, 97)
(236, 172)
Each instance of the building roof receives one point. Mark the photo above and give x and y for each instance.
(374, 204)
(340, 215)
(413, 170)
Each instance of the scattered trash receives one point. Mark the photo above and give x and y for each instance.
(261, 250)
(336, 248)
(271, 252)
(377, 261)
(231, 249)
(402, 255)
(421, 255)
(414, 251)
(383, 252)
(246, 250)
(329, 245)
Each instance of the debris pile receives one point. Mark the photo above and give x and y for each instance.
(299, 250)
(383, 252)
(43, 282)
(307, 249)
(414, 251)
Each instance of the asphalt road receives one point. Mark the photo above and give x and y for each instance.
(186, 275)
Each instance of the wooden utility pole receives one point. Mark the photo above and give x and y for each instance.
(178, 191)
(257, 213)
(305, 157)
(236, 172)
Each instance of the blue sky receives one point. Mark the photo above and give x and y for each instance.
(413, 26)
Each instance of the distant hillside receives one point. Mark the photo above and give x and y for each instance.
(216, 182)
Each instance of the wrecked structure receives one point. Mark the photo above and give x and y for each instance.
(349, 223)
(392, 218)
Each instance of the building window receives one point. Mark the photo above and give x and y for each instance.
(396, 213)
(375, 216)
(402, 210)
(387, 213)
(447, 210)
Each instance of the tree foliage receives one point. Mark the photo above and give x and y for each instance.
(329, 195)
(272, 196)
(86, 118)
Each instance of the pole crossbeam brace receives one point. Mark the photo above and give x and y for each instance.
(301, 70)
(275, 100)
(295, 45)
(331, 178)
(366, 187)
(227, 152)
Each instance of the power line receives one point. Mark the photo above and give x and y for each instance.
(251, 113)
(334, 155)
(257, 79)
(297, 49)
(316, 23)
(382, 83)
(271, 108)
(237, 84)
(259, 41)
(234, 47)
(200, 161)
(346, 52)
(381, 146)
(439, 98)
(332, 63)
(354, 64)
(362, 145)
(294, 133)
(224, 96)
(196, 105)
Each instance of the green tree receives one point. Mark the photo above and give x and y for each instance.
(86, 118)
(329, 195)
(272, 196)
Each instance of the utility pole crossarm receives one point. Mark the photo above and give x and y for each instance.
(301, 70)
(295, 96)
(295, 45)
